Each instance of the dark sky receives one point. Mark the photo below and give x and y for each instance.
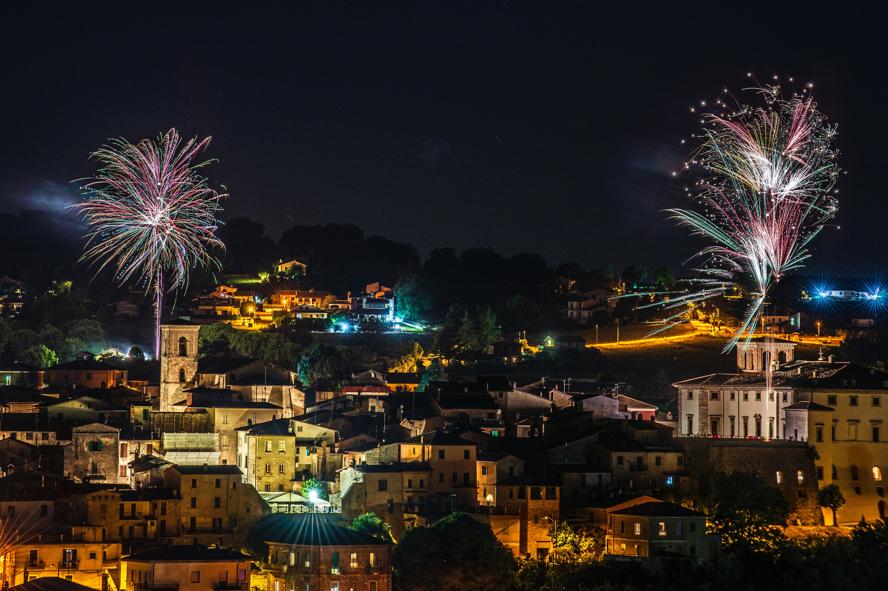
(550, 128)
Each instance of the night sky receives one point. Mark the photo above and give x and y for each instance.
(551, 129)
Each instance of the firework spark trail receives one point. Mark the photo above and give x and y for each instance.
(152, 216)
(767, 189)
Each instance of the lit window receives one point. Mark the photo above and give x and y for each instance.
(637, 529)
(779, 477)
(353, 561)
(661, 528)
(877, 474)
(800, 476)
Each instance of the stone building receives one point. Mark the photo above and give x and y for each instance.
(94, 455)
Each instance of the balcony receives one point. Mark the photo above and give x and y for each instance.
(69, 564)
(230, 586)
(36, 564)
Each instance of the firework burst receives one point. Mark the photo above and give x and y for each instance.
(766, 189)
(152, 216)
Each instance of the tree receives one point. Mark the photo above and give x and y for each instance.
(576, 546)
(746, 512)
(467, 335)
(434, 372)
(410, 362)
(41, 356)
(319, 362)
(663, 277)
(830, 497)
(372, 525)
(136, 353)
(21, 342)
(634, 275)
(488, 330)
(455, 553)
(413, 298)
(87, 330)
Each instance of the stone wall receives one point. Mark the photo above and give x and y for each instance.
(703, 456)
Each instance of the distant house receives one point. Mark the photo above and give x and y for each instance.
(574, 341)
(85, 373)
(291, 268)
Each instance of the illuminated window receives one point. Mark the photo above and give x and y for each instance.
(877, 474)
(353, 560)
(661, 528)
(637, 529)
(800, 476)
(779, 477)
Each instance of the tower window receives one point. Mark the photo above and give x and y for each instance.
(181, 375)
(183, 347)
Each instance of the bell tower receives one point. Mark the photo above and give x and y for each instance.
(763, 353)
(178, 362)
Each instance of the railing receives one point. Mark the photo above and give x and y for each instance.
(70, 563)
(36, 564)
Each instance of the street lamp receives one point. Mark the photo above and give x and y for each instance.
(818, 323)
(554, 523)
(313, 499)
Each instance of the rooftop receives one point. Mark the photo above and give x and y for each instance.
(190, 553)
(311, 529)
(207, 469)
(659, 509)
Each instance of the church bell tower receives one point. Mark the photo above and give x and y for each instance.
(178, 362)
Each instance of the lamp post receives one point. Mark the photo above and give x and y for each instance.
(818, 323)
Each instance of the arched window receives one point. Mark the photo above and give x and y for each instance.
(854, 474)
(779, 476)
(766, 360)
(183, 347)
(781, 357)
(877, 474)
(181, 375)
